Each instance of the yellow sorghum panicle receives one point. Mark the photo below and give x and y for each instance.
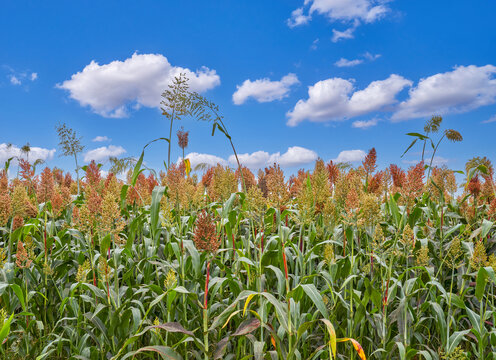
(83, 271)
(104, 269)
(329, 253)
(3, 257)
(5, 208)
(491, 261)
(224, 183)
(19, 199)
(3, 316)
(330, 212)
(167, 206)
(156, 322)
(454, 253)
(47, 269)
(423, 256)
(111, 221)
(479, 257)
(29, 245)
(370, 209)
(305, 202)
(320, 185)
(456, 354)
(408, 237)
(255, 201)
(378, 238)
(277, 189)
(170, 279)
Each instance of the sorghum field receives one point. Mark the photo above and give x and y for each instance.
(337, 263)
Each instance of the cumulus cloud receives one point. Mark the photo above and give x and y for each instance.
(339, 10)
(298, 18)
(348, 63)
(33, 76)
(463, 89)
(356, 11)
(14, 80)
(101, 139)
(111, 89)
(350, 156)
(264, 90)
(364, 10)
(102, 154)
(364, 124)
(294, 156)
(8, 151)
(334, 99)
(198, 158)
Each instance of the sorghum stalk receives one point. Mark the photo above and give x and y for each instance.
(205, 313)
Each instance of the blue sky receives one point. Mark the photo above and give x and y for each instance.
(295, 80)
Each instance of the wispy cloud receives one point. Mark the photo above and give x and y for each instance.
(348, 63)
(18, 78)
(490, 120)
(356, 12)
(364, 124)
(101, 139)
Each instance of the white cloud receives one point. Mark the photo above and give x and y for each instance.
(36, 153)
(14, 80)
(490, 120)
(18, 78)
(437, 161)
(294, 156)
(140, 80)
(463, 89)
(356, 11)
(101, 139)
(197, 158)
(364, 124)
(350, 156)
(298, 18)
(340, 10)
(264, 90)
(347, 63)
(102, 154)
(347, 10)
(314, 44)
(347, 34)
(334, 100)
(371, 57)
